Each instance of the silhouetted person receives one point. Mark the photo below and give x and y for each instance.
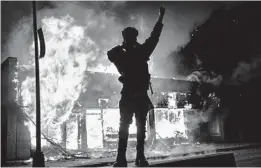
(131, 61)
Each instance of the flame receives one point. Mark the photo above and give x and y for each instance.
(62, 72)
(71, 49)
(177, 124)
(74, 44)
(105, 69)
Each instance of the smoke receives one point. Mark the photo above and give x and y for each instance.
(246, 71)
(232, 51)
(205, 77)
(207, 96)
(178, 21)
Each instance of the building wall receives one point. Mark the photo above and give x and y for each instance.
(11, 135)
(16, 135)
(7, 98)
(3, 135)
(23, 141)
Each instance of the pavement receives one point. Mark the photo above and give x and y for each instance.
(180, 151)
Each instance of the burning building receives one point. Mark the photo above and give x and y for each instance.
(94, 118)
(80, 106)
(110, 91)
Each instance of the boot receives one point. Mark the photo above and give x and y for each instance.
(121, 160)
(144, 163)
(120, 164)
(140, 157)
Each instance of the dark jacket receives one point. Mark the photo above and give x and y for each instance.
(132, 64)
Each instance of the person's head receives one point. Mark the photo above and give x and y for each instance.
(130, 35)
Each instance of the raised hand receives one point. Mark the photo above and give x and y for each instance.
(162, 10)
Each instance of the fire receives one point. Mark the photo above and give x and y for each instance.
(105, 69)
(62, 72)
(177, 124)
(72, 48)
(172, 116)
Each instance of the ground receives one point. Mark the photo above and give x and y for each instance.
(246, 155)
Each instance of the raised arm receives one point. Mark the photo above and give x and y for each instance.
(151, 43)
(161, 14)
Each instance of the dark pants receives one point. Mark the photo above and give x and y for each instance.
(138, 104)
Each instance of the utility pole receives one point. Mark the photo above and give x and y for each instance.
(38, 158)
